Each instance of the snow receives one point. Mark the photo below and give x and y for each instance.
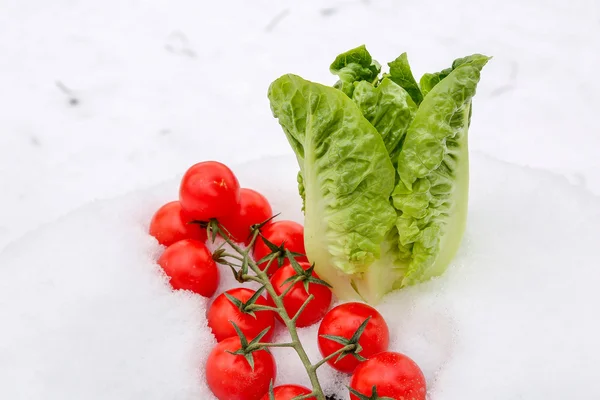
(162, 84)
(87, 313)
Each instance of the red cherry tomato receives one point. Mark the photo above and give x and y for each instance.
(289, 392)
(209, 190)
(344, 320)
(222, 311)
(230, 376)
(394, 374)
(254, 208)
(293, 300)
(190, 266)
(169, 225)
(287, 233)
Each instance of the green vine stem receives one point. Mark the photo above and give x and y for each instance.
(261, 277)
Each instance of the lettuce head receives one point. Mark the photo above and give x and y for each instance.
(383, 169)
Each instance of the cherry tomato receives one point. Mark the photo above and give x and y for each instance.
(289, 392)
(190, 266)
(230, 376)
(209, 190)
(293, 300)
(343, 321)
(169, 225)
(287, 233)
(254, 208)
(395, 375)
(222, 311)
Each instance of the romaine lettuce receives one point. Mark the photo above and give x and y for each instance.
(383, 169)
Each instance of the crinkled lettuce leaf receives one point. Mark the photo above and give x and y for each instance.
(388, 103)
(433, 167)
(402, 75)
(353, 66)
(389, 108)
(431, 196)
(429, 80)
(347, 177)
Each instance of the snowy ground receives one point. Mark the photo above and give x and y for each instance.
(162, 84)
(159, 85)
(87, 315)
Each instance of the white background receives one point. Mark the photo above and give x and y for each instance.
(164, 84)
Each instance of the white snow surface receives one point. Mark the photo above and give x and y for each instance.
(163, 84)
(87, 313)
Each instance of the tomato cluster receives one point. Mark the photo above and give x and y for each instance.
(353, 336)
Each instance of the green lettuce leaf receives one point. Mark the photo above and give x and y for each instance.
(386, 103)
(401, 74)
(348, 178)
(433, 166)
(428, 81)
(389, 108)
(353, 66)
(431, 196)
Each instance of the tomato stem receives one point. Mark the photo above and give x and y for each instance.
(252, 278)
(306, 396)
(268, 344)
(239, 258)
(259, 307)
(348, 347)
(290, 322)
(308, 300)
(290, 286)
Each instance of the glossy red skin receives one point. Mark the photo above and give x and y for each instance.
(344, 320)
(169, 225)
(294, 299)
(222, 311)
(190, 266)
(230, 376)
(254, 208)
(288, 392)
(290, 232)
(209, 190)
(395, 375)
